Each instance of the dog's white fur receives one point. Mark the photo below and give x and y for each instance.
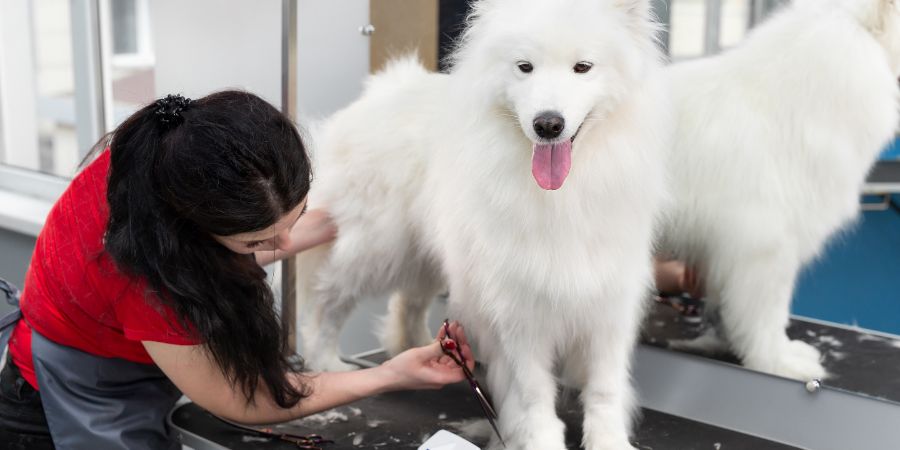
(773, 143)
(429, 180)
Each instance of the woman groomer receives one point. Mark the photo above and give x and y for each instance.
(151, 260)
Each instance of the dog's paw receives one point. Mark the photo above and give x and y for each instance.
(607, 439)
(516, 445)
(620, 445)
(551, 437)
(797, 360)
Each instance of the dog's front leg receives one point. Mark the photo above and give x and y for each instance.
(521, 379)
(607, 394)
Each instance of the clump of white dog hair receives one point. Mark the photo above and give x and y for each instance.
(473, 429)
(320, 420)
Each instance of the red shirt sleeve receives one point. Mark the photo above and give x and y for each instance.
(144, 318)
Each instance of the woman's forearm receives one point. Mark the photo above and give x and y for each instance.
(327, 390)
(198, 376)
(418, 368)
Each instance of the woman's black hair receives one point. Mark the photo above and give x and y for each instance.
(182, 171)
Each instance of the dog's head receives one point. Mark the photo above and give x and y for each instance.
(555, 67)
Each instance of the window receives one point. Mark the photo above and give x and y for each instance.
(38, 115)
(69, 71)
(132, 61)
(703, 27)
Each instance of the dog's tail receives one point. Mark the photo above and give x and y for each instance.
(400, 71)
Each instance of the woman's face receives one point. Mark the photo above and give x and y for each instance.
(275, 237)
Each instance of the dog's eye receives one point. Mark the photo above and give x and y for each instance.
(525, 66)
(582, 67)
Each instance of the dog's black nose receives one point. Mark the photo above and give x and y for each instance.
(549, 125)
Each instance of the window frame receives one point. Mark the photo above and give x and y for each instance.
(144, 56)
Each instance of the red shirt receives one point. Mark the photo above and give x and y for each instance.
(73, 293)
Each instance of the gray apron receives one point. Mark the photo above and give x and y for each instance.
(93, 402)
(9, 293)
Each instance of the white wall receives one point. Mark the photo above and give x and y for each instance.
(203, 46)
(206, 45)
(333, 57)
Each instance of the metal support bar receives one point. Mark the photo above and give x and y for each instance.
(757, 12)
(289, 107)
(713, 27)
(87, 54)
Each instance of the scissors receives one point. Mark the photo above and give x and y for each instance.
(689, 307)
(452, 350)
(305, 442)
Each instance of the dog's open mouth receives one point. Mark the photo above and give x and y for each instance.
(550, 163)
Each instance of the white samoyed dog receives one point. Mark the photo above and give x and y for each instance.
(527, 181)
(773, 143)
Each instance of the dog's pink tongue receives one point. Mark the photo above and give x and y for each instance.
(550, 164)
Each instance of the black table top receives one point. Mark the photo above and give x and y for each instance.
(403, 420)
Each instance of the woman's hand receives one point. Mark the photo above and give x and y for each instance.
(428, 367)
(313, 228)
(674, 277)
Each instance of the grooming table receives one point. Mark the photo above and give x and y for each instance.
(403, 420)
(858, 360)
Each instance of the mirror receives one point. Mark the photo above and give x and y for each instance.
(845, 302)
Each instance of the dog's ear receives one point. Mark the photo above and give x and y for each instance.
(889, 7)
(875, 14)
(641, 17)
(640, 9)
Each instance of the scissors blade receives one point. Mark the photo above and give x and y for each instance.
(496, 430)
(487, 403)
(489, 413)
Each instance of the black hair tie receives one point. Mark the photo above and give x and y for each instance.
(168, 110)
